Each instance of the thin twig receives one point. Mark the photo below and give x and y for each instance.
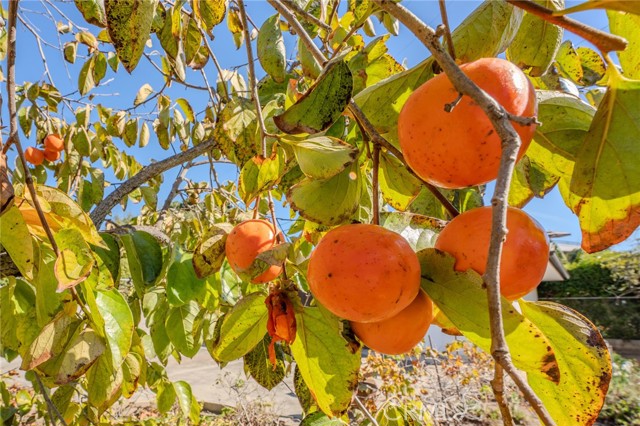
(510, 146)
(604, 41)
(447, 29)
(105, 206)
(306, 15)
(53, 410)
(366, 412)
(497, 384)
(362, 119)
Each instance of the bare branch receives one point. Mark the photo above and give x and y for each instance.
(497, 384)
(510, 146)
(306, 15)
(447, 29)
(604, 41)
(148, 172)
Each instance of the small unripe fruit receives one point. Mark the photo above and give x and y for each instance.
(525, 253)
(364, 273)
(53, 143)
(246, 241)
(34, 156)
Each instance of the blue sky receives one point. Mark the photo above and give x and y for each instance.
(118, 90)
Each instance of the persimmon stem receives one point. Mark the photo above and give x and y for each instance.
(374, 182)
(359, 115)
(447, 29)
(510, 147)
(604, 41)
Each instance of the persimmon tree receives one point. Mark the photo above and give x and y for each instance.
(95, 308)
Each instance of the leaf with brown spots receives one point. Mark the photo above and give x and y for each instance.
(582, 358)
(530, 349)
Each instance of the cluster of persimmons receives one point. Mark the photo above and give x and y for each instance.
(369, 275)
(53, 146)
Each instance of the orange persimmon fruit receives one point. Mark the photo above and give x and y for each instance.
(246, 241)
(460, 148)
(53, 143)
(364, 272)
(525, 253)
(34, 155)
(400, 333)
(51, 155)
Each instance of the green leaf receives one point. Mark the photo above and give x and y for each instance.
(530, 349)
(75, 260)
(330, 201)
(530, 180)
(129, 24)
(166, 396)
(130, 135)
(237, 130)
(48, 300)
(583, 360)
(325, 361)
(626, 25)
(322, 157)
(118, 323)
(209, 12)
(419, 231)
(182, 283)
(243, 327)
(169, 36)
(85, 78)
(186, 107)
(143, 93)
(271, 50)
(260, 174)
(144, 257)
(372, 64)
(16, 240)
(605, 187)
(103, 381)
(258, 364)
(303, 393)
(399, 187)
(310, 68)
(181, 328)
(100, 67)
(92, 11)
(319, 418)
(184, 394)
(210, 251)
(537, 41)
(322, 104)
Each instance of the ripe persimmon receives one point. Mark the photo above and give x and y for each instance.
(51, 155)
(401, 332)
(246, 241)
(34, 155)
(363, 272)
(461, 148)
(53, 143)
(525, 252)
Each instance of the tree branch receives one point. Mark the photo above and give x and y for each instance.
(359, 115)
(306, 15)
(497, 384)
(510, 146)
(604, 41)
(148, 172)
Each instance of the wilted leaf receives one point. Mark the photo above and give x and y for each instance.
(70, 50)
(260, 174)
(605, 187)
(129, 24)
(324, 359)
(258, 364)
(209, 12)
(330, 201)
(210, 251)
(92, 11)
(583, 360)
(530, 350)
(322, 104)
(237, 131)
(51, 341)
(243, 327)
(80, 354)
(143, 93)
(271, 50)
(75, 259)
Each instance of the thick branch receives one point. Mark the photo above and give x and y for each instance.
(604, 41)
(149, 172)
(510, 146)
(359, 115)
